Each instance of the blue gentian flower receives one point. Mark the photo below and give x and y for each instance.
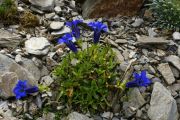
(22, 89)
(74, 27)
(139, 80)
(68, 40)
(98, 27)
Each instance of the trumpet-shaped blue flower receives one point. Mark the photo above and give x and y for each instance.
(22, 89)
(98, 27)
(139, 80)
(74, 27)
(68, 40)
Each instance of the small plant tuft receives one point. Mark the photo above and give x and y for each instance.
(84, 78)
(8, 12)
(167, 13)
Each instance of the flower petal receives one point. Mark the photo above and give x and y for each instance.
(72, 46)
(74, 26)
(131, 84)
(67, 39)
(96, 37)
(31, 89)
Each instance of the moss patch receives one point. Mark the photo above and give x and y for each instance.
(29, 20)
(8, 12)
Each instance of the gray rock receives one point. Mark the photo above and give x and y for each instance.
(45, 5)
(175, 60)
(179, 50)
(37, 62)
(23, 74)
(124, 65)
(36, 10)
(63, 31)
(176, 36)
(160, 53)
(74, 62)
(115, 118)
(31, 67)
(138, 22)
(107, 115)
(18, 58)
(56, 25)
(151, 32)
(33, 108)
(162, 104)
(37, 46)
(121, 41)
(8, 39)
(39, 101)
(150, 40)
(9, 65)
(166, 72)
(135, 101)
(50, 15)
(77, 116)
(7, 84)
(137, 67)
(57, 9)
(119, 57)
(156, 80)
(97, 117)
(5, 112)
(144, 59)
(138, 113)
(175, 72)
(47, 80)
(85, 45)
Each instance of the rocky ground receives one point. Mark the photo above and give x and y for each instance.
(31, 53)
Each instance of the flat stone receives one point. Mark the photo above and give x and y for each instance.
(124, 65)
(179, 50)
(36, 71)
(50, 15)
(176, 36)
(175, 71)
(175, 60)
(166, 72)
(57, 9)
(18, 58)
(64, 30)
(47, 80)
(110, 8)
(135, 100)
(121, 41)
(151, 32)
(150, 40)
(37, 46)
(8, 39)
(9, 65)
(5, 112)
(107, 115)
(162, 105)
(118, 54)
(9, 80)
(36, 10)
(138, 22)
(55, 25)
(45, 5)
(77, 116)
